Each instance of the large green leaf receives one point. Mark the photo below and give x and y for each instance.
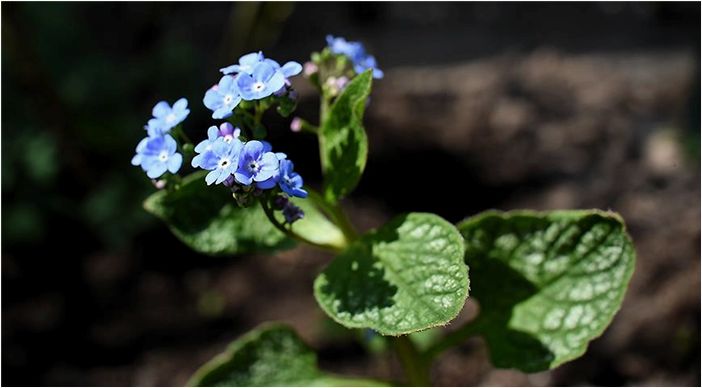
(207, 219)
(342, 139)
(270, 355)
(407, 276)
(547, 283)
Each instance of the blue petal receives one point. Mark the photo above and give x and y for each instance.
(202, 146)
(243, 176)
(181, 104)
(251, 58)
(276, 82)
(196, 160)
(213, 99)
(269, 167)
(212, 133)
(142, 145)
(161, 109)
(174, 163)
(170, 144)
(267, 184)
(156, 170)
(212, 177)
(230, 69)
(136, 160)
(223, 175)
(263, 72)
(222, 113)
(253, 149)
(291, 69)
(225, 84)
(275, 65)
(209, 161)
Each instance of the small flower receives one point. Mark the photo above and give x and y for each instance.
(264, 81)
(256, 165)
(292, 213)
(167, 117)
(356, 53)
(156, 155)
(246, 64)
(221, 160)
(290, 181)
(228, 132)
(223, 98)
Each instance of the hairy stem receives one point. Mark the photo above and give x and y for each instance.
(416, 369)
(336, 213)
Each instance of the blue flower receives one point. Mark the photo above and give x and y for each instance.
(368, 62)
(246, 64)
(256, 164)
(156, 155)
(356, 53)
(292, 213)
(264, 81)
(223, 97)
(342, 46)
(167, 117)
(226, 132)
(290, 181)
(221, 160)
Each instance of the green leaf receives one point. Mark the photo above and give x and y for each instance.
(207, 219)
(407, 276)
(547, 283)
(270, 355)
(342, 140)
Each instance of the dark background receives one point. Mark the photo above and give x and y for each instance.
(504, 105)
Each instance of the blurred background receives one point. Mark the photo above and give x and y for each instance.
(527, 105)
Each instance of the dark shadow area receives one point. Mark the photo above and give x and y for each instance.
(499, 288)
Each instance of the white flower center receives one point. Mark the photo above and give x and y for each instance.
(228, 99)
(163, 156)
(258, 86)
(170, 118)
(228, 138)
(223, 163)
(253, 166)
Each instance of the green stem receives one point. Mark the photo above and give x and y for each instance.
(454, 338)
(290, 233)
(336, 213)
(416, 369)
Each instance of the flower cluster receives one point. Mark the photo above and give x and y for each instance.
(255, 77)
(156, 153)
(245, 164)
(355, 51)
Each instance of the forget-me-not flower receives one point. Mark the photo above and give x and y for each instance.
(226, 132)
(356, 53)
(221, 160)
(264, 81)
(290, 181)
(167, 117)
(223, 97)
(256, 164)
(156, 155)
